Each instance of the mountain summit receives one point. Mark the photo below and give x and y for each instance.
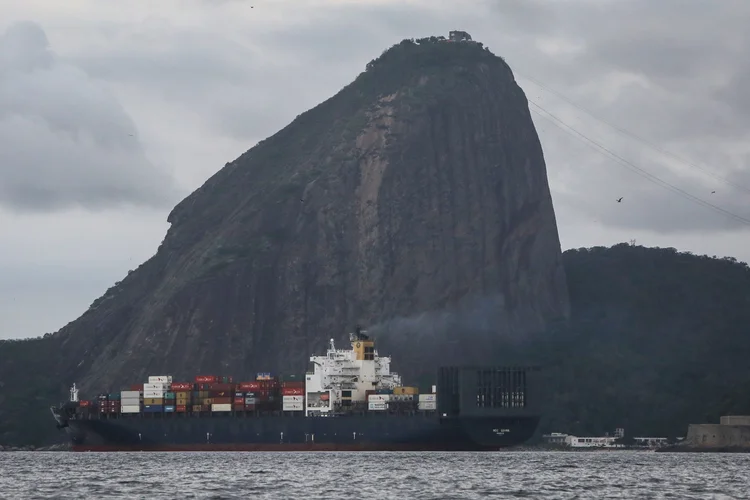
(421, 186)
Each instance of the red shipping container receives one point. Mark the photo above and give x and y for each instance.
(292, 391)
(84, 404)
(221, 387)
(181, 408)
(295, 383)
(249, 386)
(221, 401)
(182, 386)
(136, 387)
(239, 401)
(205, 379)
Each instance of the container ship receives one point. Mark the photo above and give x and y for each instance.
(349, 401)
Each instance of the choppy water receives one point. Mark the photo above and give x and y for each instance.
(358, 476)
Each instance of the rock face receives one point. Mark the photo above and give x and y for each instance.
(420, 185)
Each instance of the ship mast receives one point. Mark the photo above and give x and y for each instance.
(74, 394)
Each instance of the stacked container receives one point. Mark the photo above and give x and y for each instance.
(153, 393)
(378, 402)
(130, 401)
(427, 402)
(113, 403)
(293, 395)
(182, 392)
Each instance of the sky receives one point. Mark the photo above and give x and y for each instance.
(112, 112)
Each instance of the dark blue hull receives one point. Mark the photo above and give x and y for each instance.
(185, 432)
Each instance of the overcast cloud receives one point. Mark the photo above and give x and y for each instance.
(109, 114)
(65, 140)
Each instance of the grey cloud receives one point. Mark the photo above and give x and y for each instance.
(250, 90)
(65, 141)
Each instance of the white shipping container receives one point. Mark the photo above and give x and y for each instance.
(427, 405)
(379, 398)
(154, 387)
(293, 399)
(130, 394)
(153, 394)
(160, 379)
(130, 401)
(221, 407)
(434, 389)
(293, 407)
(377, 406)
(427, 397)
(130, 409)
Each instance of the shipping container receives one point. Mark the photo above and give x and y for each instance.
(239, 401)
(180, 408)
(130, 409)
(377, 406)
(84, 404)
(137, 387)
(113, 396)
(169, 395)
(427, 405)
(221, 407)
(249, 386)
(378, 398)
(427, 397)
(153, 394)
(160, 379)
(153, 408)
(155, 387)
(292, 391)
(221, 401)
(198, 408)
(263, 376)
(402, 391)
(300, 384)
(293, 407)
(153, 401)
(204, 379)
(169, 408)
(293, 399)
(130, 394)
(182, 386)
(221, 387)
(220, 394)
(383, 391)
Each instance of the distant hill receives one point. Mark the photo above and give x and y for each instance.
(657, 339)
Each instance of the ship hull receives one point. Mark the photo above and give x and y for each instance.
(297, 433)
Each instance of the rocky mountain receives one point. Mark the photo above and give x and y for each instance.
(421, 186)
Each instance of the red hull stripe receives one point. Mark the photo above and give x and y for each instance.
(278, 447)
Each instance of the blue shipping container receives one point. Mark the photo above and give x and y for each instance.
(153, 408)
(169, 408)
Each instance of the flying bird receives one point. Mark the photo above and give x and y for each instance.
(619, 200)
(712, 192)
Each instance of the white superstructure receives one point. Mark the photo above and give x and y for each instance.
(343, 376)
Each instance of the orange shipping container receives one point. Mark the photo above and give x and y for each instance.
(181, 408)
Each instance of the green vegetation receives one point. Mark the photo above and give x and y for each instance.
(658, 339)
